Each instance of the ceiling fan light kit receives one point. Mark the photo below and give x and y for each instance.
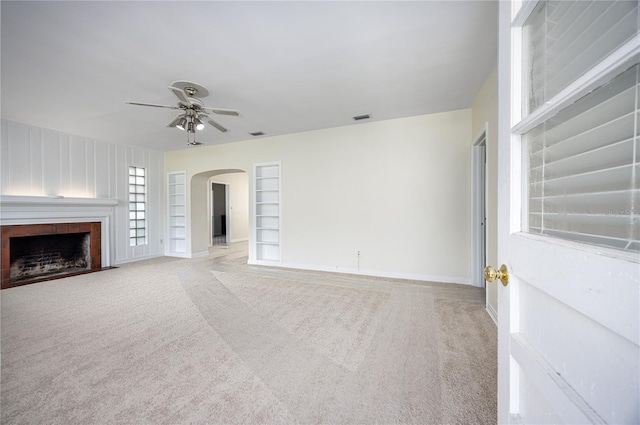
(182, 123)
(193, 110)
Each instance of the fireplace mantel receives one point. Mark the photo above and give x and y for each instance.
(37, 209)
(15, 209)
(12, 201)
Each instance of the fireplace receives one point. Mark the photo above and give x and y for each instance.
(36, 252)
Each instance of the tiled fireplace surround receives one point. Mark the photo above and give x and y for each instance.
(39, 215)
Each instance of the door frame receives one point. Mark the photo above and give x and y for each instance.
(479, 202)
(227, 209)
(479, 208)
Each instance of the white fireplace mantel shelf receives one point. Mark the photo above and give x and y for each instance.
(44, 209)
(31, 201)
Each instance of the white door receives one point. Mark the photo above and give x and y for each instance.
(569, 204)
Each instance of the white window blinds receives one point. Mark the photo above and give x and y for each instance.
(563, 39)
(584, 162)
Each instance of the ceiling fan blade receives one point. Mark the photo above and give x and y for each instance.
(220, 111)
(152, 104)
(181, 95)
(218, 126)
(175, 121)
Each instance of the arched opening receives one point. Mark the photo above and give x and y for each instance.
(206, 222)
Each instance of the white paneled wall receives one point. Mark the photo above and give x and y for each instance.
(40, 162)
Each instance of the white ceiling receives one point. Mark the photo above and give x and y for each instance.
(287, 66)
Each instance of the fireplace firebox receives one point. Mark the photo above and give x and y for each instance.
(36, 252)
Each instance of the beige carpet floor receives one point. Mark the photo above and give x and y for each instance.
(212, 340)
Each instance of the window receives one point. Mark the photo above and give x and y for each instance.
(580, 124)
(137, 207)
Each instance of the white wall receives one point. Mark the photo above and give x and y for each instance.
(41, 162)
(485, 110)
(398, 191)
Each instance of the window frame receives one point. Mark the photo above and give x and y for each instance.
(618, 61)
(137, 202)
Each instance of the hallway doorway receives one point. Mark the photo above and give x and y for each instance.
(219, 214)
(236, 198)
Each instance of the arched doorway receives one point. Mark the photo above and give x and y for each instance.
(205, 221)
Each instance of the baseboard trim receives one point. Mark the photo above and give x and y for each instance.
(239, 240)
(133, 260)
(492, 313)
(265, 263)
(188, 255)
(372, 273)
(185, 255)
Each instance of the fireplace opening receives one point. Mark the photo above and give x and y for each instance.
(49, 255)
(36, 252)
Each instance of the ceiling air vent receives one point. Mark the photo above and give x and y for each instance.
(361, 117)
(257, 133)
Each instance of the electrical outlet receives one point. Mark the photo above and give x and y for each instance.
(160, 241)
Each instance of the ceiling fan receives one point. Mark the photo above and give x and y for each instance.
(194, 113)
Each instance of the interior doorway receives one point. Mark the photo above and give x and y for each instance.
(219, 214)
(200, 234)
(479, 209)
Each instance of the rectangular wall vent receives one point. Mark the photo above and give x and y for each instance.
(361, 117)
(257, 133)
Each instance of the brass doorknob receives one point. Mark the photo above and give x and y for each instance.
(491, 274)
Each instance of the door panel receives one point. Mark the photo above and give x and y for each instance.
(569, 318)
(583, 277)
(585, 359)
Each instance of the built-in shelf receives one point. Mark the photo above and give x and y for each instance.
(177, 212)
(267, 205)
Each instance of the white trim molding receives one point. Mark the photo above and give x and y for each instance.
(492, 313)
